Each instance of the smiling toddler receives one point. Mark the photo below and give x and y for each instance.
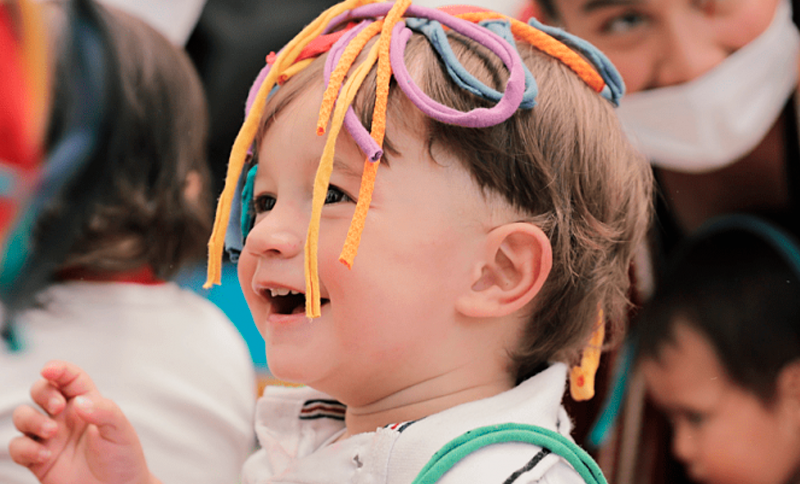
(433, 211)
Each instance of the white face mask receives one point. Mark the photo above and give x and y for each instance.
(711, 122)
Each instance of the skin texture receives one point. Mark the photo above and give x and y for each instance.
(426, 301)
(723, 433)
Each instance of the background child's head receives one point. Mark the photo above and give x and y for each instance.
(158, 212)
(125, 174)
(563, 165)
(719, 345)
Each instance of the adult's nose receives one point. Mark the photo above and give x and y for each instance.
(689, 50)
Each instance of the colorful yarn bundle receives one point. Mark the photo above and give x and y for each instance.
(343, 31)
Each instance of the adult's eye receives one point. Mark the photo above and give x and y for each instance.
(263, 203)
(336, 195)
(709, 7)
(695, 419)
(624, 23)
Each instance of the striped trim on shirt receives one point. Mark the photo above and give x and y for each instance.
(314, 409)
(400, 426)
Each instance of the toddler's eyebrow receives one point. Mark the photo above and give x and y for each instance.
(347, 169)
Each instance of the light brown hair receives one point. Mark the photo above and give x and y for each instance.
(565, 163)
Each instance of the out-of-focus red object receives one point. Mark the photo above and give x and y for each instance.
(22, 106)
(531, 9)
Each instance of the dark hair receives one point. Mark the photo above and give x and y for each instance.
(127, 125)
(738, 284)
(548, 8)
(565, 164)
(143, 217)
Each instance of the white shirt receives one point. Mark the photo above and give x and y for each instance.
(297, 429)
(169, 358)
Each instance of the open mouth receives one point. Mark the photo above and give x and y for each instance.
(288, 302)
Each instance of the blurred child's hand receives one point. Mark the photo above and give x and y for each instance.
(80, 436)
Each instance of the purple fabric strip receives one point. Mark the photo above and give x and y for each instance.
(251, 95)
(476, 118)
(357, 131)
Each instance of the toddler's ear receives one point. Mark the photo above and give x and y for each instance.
(516, 261)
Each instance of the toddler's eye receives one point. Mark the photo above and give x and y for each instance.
(263, 203)
(336, 195)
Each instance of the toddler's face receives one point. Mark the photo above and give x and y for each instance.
(722, 432)
(387, 323)
(657, 43)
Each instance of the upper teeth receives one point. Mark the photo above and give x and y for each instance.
(281, 291)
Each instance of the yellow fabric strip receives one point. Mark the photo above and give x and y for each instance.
(340, 72)
(322, 179)
(581, 378)
(247, 132)
(378, 131)
(294, 69)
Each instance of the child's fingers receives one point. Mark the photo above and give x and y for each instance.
(111, 423)
(27, 452)
(32, 423)
(68, 378)
(48, 397)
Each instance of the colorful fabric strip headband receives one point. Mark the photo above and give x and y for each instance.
(343, 31)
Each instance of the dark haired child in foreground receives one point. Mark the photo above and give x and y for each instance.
(493, 227)
(719, 346)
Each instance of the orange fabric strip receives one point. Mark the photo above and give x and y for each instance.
(244, 138)
(378, 131)
(322, 179)
(546, 44)
(340, 72)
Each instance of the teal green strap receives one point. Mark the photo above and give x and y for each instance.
(465, 444)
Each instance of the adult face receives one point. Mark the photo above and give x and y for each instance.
(657, 43)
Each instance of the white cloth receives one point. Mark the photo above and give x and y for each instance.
(296, 450)
(169, 358)
(175, 19)
(507, 7)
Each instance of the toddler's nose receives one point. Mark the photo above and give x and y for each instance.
(278, 234)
